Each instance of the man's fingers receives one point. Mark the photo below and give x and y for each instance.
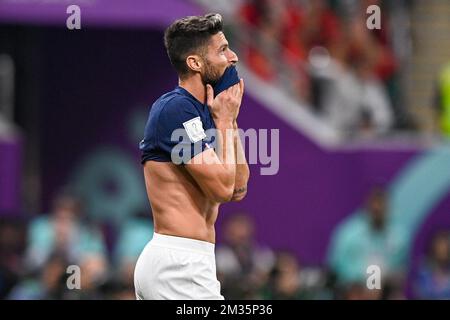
(209, 95)
(235, 90)
(238, 89)
(241, 86)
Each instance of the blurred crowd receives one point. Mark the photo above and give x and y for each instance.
(36, 255)
(325, 56)
(251, 271)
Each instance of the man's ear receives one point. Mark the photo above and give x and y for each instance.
(194, 63)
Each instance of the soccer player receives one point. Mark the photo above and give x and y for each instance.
(193, 161)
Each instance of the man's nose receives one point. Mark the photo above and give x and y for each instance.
(233, 58)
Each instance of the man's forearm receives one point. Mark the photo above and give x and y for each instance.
(242, 169)
(226, 146)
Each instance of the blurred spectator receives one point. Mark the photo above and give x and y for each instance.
(63, 230)
(365, 239)
(284, 281)
(376, 116)
(47, 284)
(6, 95)
(94, 270)
(322, 26)
(263, 25)
(288, 281)
(118, 290)
(376, 43)
(134, 234)
(443, 101)
(242, 266)
(50, 282)
(433, 277)
(353, 99)
(359, 291)
(12, 246)
(379, 75)
(349, 86)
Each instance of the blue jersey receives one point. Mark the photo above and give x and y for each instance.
(178, 128)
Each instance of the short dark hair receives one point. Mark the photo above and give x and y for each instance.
(190, 35)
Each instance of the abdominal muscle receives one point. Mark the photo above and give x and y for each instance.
(179, 206)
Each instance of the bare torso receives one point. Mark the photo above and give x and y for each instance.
(179, 206)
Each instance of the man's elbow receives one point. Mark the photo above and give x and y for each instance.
(223, 191)
(231, 197)
(228, 191)
(238, 198)
(239, 194)
(223, 195)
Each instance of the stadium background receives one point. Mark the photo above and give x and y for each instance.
(74, 103)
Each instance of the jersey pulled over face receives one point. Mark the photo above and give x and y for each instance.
(229, 78)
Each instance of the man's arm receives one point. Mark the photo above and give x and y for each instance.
(214, 172)
(242, 169)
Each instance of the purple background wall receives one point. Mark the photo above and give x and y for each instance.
(136, 13)
(94, 80)
(314, 189)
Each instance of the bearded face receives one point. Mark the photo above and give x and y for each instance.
(211, 73)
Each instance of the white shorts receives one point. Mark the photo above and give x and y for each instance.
(175, 268)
